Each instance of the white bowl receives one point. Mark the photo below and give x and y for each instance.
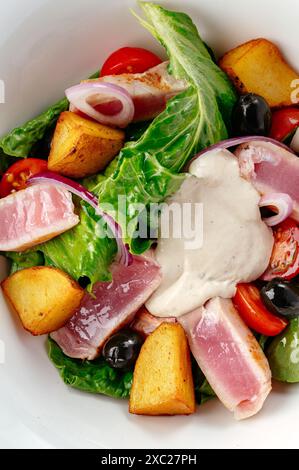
(45, 46)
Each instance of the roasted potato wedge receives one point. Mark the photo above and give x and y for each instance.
(259, 67)
(44, 298)
(81, 147)
(163, 383)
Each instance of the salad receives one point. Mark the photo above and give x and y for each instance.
(151, 221)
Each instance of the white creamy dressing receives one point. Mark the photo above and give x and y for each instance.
(236, 246)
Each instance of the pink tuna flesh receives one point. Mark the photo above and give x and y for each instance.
(271, 169)
(112, 306)
(149, 91)
(35, 215)
(229, 356)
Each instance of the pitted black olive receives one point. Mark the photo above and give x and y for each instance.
(122, 349)
(282, 298)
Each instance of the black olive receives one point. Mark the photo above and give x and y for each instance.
(122, 349)
(251, 116)
(84, 281)
(282, 298)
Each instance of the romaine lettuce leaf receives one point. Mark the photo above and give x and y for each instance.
(28, 259)
(97, 377)
(146, 171)
(206, 393)
(202, 388)
(94, 377)
(263, 340)
(19, 142)
(82, 251)
(190, 59)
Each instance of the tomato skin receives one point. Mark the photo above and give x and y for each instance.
(129, 60)
(251, 309)
(15, 178)
(284, 262)
(284, 121)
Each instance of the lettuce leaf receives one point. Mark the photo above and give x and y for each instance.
(213, 94)
(28, 259)
(206, 393)
(82, 251)
(263, 341)
(97, 377)
(146, 171)
(20, 141)
(202, 388)
(93, 377)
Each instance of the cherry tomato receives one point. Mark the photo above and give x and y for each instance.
(129, 60)
(249, 304)
(284, 122)
(284, 262)
(17, 175)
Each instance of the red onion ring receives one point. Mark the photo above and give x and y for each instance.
(233, 142)
(124, 255)
(282, 203)
(99, 92)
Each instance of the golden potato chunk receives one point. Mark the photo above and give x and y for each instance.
(81, 147)
(163, 383)
(44, 298)
(259, 67)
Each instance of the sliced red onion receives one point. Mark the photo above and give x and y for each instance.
(233, 142)
(281, 203)
(124, 255)
(86, 96)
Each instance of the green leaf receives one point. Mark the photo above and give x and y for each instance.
(263, 341)
(90, 376)
(203, 390)
(135, 130)
(206, 391)
(84, 250)
(28, 259)
(191, 60)
(143, 180)
(19, 142)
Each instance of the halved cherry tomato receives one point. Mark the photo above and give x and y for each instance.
(284, 122)
(250, 306)
(129, 60)
(17, 175)
(284, 260)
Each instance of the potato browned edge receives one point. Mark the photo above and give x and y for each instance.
(81, 147)
(43, 297)
(258, 66)
(163, 382)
